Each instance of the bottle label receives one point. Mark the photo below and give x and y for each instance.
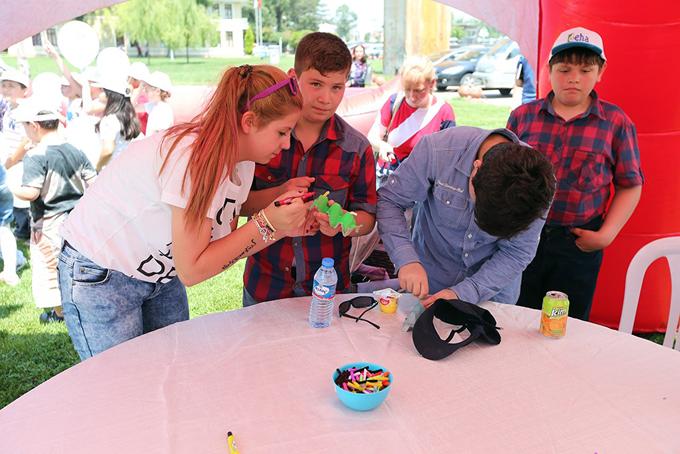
(322, 291)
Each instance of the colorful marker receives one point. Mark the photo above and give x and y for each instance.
(307, 196)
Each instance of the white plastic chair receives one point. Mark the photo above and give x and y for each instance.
(664, 247)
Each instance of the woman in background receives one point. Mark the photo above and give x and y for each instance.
(359, 72)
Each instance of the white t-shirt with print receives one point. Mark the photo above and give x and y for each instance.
(124, 220)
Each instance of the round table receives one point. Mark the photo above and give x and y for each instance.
(265, 375)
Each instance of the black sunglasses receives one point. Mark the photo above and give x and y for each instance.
(359, 302)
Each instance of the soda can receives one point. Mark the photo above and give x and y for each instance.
(554, 314)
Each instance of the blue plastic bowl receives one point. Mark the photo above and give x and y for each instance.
(361, 402)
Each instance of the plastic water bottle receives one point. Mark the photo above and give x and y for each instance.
(323, 295)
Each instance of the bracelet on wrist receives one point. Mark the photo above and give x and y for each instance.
(263, 227)
(266, 219)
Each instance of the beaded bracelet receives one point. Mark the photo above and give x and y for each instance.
(263, 227)
(266, 219)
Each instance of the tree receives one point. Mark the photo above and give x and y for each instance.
(322, 11)
(345, 21)
(296, 36)
(286, 15)
(303, 14)
(457, 31)
(176, 23)
(249, 41)
(185, 24)
(279, 8)
(139, 19)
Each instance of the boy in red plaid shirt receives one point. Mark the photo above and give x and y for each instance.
(325, 154)
(592, 144)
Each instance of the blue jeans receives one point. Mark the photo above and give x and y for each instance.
(6, 205)
(103, 307)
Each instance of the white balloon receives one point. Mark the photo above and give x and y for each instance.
(78, 43)
(46, 88)
(113, 63)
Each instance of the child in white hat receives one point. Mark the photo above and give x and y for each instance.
(15, 85)
(55, 177)
(119, 125)
(158, 89)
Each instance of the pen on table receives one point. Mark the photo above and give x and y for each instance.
(307, 196)
(231, 444)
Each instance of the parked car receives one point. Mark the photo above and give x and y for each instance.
(457, 71)
(374, 50)
(498, 67)
(451, 54)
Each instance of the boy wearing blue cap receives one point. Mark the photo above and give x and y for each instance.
(592, 144)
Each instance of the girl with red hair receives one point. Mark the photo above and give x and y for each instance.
(164, 213)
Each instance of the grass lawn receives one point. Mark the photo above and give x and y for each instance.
(31, 353)
(199, 71)
(473, 112)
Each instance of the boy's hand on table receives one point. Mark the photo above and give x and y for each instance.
(413, 279)
(591, 240)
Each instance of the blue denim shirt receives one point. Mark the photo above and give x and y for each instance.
(446, 240)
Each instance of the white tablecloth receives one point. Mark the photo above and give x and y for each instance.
(264, 374)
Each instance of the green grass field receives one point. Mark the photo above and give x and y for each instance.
(31, 353)
(199, 71)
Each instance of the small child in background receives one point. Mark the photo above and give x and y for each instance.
(13, 147)
(136, 75)
(55, 177)
(119, 125)
(80, 125)
(158, 89)
(8, 244)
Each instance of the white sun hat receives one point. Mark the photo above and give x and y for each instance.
(138, 70)
(160, 80)
(16, 76)
(115, 84)
(33, 109)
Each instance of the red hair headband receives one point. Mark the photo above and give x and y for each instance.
(291, 82)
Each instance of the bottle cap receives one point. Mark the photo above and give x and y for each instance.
(327, 262)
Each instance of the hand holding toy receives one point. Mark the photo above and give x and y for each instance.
(336, 214)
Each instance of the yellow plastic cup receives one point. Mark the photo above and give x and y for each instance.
(388, 300)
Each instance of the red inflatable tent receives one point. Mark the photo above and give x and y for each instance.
(641, 42)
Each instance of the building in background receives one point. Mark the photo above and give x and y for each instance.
(231, 27)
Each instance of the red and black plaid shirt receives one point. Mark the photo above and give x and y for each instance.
(342, 163)
(588, 152)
